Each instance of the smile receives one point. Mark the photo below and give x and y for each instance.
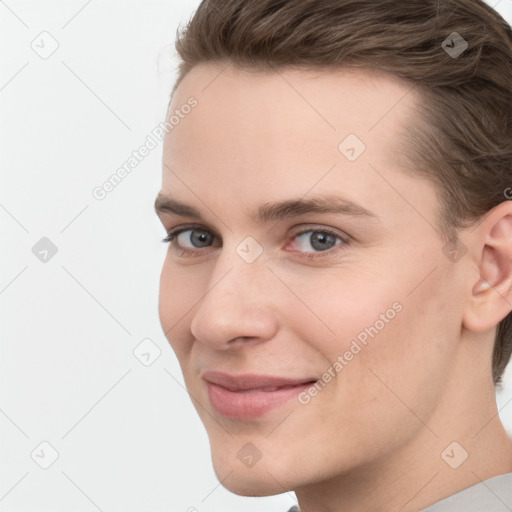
(250, 396)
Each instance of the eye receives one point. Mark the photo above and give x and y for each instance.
(193, 238)
(317, 240)
(190, 238)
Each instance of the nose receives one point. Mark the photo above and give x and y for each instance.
(237, 307)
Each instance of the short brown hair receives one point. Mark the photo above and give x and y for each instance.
(461, 138)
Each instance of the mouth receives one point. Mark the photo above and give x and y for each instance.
(249, 396)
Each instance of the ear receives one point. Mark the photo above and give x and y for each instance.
(490, 297)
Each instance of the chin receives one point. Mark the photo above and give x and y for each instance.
(258, 481)
(249, 486)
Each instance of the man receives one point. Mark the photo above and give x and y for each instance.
(338, 282)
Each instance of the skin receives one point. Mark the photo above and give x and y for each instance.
(372, 439)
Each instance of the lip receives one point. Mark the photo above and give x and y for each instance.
(249, 396)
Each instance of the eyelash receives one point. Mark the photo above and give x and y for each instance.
(173, 234)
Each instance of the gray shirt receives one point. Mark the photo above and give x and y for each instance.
(493, 495)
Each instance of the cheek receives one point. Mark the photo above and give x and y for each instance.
(166, 302)
(340, 307)
(389, 332)
(179, 292)
(406, 360)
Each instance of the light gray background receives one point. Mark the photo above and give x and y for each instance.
(128, 438)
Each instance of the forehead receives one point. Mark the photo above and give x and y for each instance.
(285, 132)
(288, 111)
(322, 93)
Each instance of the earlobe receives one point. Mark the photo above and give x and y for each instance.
(490, 300)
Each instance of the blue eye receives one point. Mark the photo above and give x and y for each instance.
(319, 240)
(192, 240)
(197, 238)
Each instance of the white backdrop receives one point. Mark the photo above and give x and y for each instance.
(82, 84)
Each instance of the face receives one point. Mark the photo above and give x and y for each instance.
(310, 261)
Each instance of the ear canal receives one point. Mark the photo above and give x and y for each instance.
(481, 287)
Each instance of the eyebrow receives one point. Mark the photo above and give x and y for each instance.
(275, 211)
